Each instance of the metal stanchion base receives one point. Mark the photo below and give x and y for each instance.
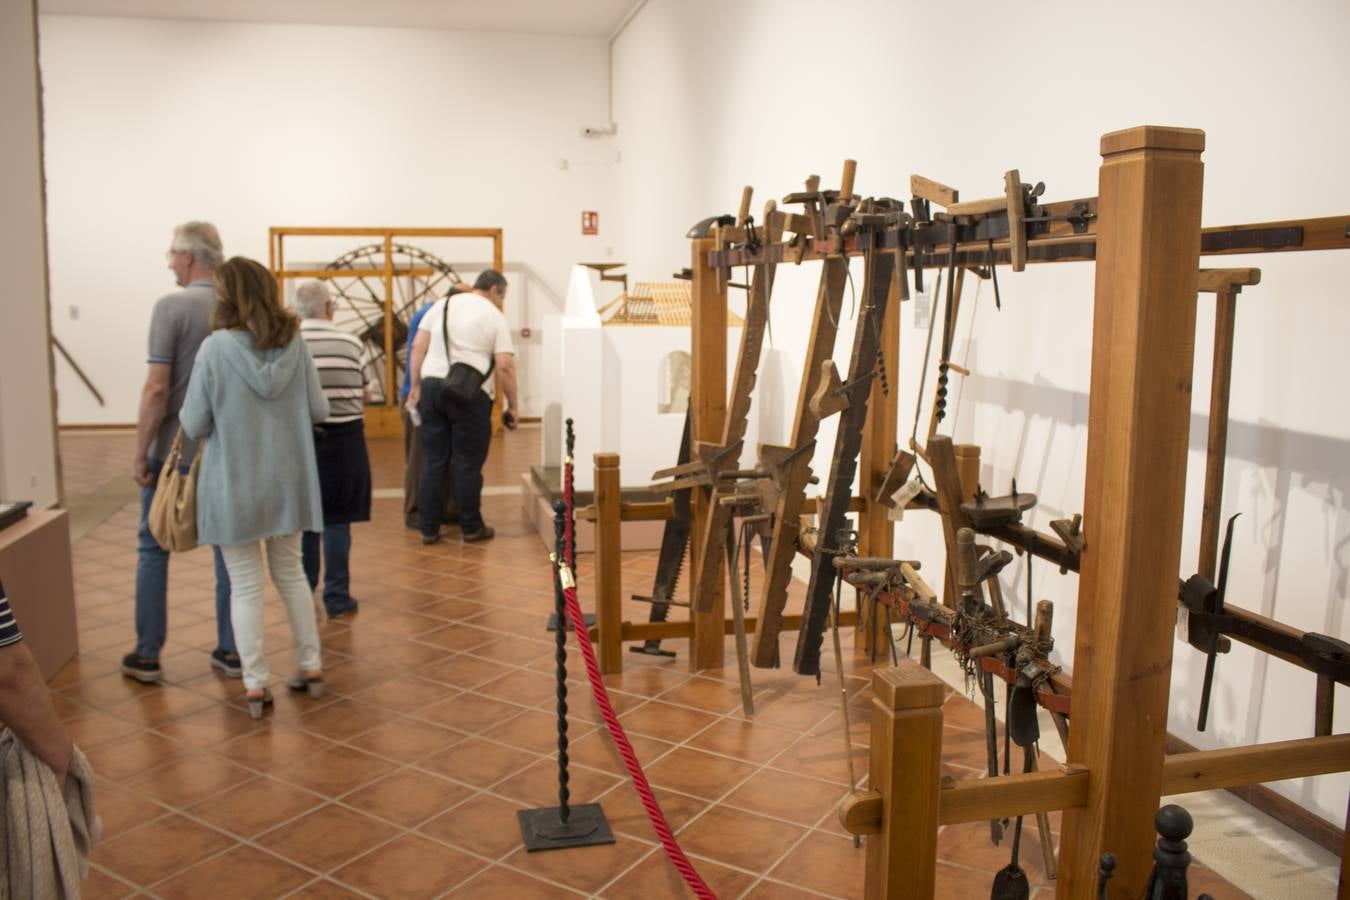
(586, 827)
(588, 618)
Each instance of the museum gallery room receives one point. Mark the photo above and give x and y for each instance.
(649, 448)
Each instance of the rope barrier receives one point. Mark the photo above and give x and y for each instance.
(621, 742)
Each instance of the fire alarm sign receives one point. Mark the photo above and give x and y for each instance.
(590, 222)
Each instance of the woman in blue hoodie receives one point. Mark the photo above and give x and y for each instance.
(252, 401)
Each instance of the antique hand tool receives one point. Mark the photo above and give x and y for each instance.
(1210, 622)
(794, 476)
(1011, 881)
(986, 512)
(670, 562)
(709, 552)
(879, 269)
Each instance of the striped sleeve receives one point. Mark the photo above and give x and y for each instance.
(9, 629)
(337, 356)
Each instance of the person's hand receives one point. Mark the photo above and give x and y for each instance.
(413, 396)
(509, 420)
(140, 472)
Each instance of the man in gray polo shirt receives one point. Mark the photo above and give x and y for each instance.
(178, 325)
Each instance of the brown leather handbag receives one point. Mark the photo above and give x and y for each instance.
(173, 512)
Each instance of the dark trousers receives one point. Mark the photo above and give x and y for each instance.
(337, 582)
(453, 432)
(412, 477)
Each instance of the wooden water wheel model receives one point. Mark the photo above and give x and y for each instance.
(378, 286)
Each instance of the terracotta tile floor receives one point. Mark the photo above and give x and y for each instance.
(404, 781)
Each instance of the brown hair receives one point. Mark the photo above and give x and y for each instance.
(246, 297)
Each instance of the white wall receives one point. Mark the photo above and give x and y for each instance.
(711, 96)
(153, 122)
(28, 467)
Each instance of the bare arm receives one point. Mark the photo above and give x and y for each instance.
(421, 341)
(506, 377)
(154, 401)
(26, 707)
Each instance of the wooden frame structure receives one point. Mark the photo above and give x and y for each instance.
(610, 631)
(1147, 249)
(383, 420)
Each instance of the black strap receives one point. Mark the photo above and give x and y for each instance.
(445, 338)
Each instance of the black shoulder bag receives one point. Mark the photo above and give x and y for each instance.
(463, 382)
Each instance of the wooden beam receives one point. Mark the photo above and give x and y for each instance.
(782, 547)
(1148, 253)
(657, 511)
(876, 531)
(1205, 770)
(708, 409)
(307, 231)
(608, 562)
(1216, 450)
(1213, 281)
(974, 800)
(660, 631)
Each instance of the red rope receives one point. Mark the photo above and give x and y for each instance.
(630, 760)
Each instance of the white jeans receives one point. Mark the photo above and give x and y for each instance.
(244, 563)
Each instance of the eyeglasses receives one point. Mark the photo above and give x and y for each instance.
(170, 253)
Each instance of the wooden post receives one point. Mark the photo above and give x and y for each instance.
(708, 406)
(905, 769)
(1225, 315)
(876, 532)
(390, 385)
(1148, 250)
(608, 558)
(1343, 888)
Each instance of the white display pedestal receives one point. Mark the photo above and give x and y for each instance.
(609, 380)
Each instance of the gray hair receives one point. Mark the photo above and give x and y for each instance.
(311, 300)
(201, 240)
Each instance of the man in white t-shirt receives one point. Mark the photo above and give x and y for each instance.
(473, 333)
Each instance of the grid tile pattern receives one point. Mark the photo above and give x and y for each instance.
(439, 724)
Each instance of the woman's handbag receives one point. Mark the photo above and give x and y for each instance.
(173, 512)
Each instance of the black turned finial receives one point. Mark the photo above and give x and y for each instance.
(571, 438)
(1170, 859)
(1105, 869)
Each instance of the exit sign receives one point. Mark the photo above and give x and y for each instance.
(590, 222)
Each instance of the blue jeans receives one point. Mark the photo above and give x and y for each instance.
(152, 586)
(337, 545)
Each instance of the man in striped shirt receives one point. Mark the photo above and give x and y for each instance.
(25, 706)
(339, 446)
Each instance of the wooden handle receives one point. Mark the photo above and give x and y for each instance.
(916, 582)
(1045, 618)
(846, 182)
(812, 183)
(979, 207)
(933, 191)
(965, 558)
(744, 212)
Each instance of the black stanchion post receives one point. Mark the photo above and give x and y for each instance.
(568, 554)
(564, 825)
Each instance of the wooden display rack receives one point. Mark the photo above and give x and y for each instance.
(1147, 247)
(383, 420)
(1144, 233)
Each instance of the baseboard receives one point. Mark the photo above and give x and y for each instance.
(98, 426)
(1277, 806)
